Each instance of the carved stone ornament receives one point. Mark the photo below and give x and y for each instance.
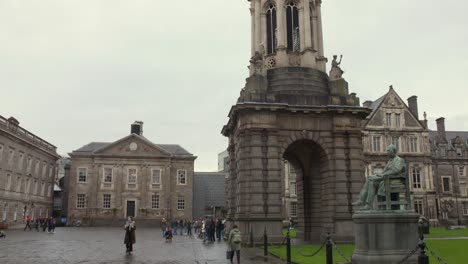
(294, 60)
(336, 72)
(271, 62)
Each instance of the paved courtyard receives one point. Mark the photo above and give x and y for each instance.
(105, 245)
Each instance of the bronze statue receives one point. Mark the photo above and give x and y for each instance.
(375, 183)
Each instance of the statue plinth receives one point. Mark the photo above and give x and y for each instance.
(385, 237)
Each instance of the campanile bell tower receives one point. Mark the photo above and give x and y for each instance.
(288, 33)
(291, 110)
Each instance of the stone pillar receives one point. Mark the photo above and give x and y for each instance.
(322, 63)
(257, 25)
(252, 31)
(281, 56)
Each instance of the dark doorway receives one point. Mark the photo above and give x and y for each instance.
(131, 208)
(313, 188)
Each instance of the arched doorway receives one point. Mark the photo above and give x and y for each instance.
(311, 165)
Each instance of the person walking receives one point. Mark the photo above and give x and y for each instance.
(130, 237)
(189, 228)
(37, 224)
(28, 222)
(163, 226)
(234, 243)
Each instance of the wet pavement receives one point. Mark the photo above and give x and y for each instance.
(105, 245)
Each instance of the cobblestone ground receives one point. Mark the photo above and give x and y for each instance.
(105, 245)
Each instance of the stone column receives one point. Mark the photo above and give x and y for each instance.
(306, 20)
(257, 25)
(252, 33)
(281, 56)
(322, 65)
(302, 34)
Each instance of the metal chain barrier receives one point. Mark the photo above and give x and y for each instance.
(340, 252)
(409, 255)
(439, 259)
(309, 255)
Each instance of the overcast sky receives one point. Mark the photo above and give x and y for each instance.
(77, 71)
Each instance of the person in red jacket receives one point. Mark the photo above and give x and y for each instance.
(28, 222)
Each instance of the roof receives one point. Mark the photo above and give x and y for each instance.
(450, 136)
(208, 190)
(375, 105)
(173, 149)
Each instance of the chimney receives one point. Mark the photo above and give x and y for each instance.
(137, 128)
(413, 105)
(441, 127)
(367, 104)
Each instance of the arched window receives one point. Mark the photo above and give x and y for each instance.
(271, 29)
(292, 24)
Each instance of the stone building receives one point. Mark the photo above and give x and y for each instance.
(291, 109)
(450, 167)
(27, 173)
(208, 194)
(394, 122)
(131, 176)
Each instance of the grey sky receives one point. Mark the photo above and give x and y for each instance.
(78, 71)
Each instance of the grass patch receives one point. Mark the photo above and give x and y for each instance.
(452, 251)
(443, 232)
(292, 232)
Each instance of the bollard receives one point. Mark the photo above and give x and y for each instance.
(329, 248)
(265, 243)
(422, 258)
(288, 248)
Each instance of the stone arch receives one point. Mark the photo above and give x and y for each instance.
(312, 166)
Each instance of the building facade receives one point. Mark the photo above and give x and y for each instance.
(209, 194)
(450, 166)
(392, 121)
(27, 173)
(131, 176)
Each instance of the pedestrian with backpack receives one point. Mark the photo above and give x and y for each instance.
(234, 243)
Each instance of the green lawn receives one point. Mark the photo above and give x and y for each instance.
(452, 251)
(443, 232)
(292, 232)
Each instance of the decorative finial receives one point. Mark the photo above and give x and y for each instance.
(425, 116)
(391, 87)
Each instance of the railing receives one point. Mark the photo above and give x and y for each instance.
(25, 134)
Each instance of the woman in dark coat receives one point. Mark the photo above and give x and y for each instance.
(130, 238)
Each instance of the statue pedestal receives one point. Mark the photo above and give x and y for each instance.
(385, 237)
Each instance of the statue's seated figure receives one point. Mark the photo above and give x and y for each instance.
(375, 184)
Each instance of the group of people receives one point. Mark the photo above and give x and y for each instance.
(204, 228)
(41, 223)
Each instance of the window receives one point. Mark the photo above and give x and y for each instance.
(36, 168)
(155, 201)
(29, 165)
(11, 156)
(462, 189)
(181, 177)
(27, 187)
(43, 189)
(156, 176)
(5, 210)
(459, 152)
(82, 174)
(20, 161)
(51, 170)
(446, 183)
(8, 183)
(465, 208)
(132, 176)
(418, 207)
(44, 169)
(293, 188)
(376, 143)
(396, 142)
(292, 23)
(413, 144)
(461, 170)
(181, 203)
(1, 152)
(292, 170)
(389, 119)
(108, 175)
(18, 184)
(271, 29)
(294, 209)
(106, 201)
(49, 191)
(416, 178)
(80, 200)
(36, 185)
(397, 120)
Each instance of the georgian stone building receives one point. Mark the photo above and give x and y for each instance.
(131, 176)
(27, 173)
(393, 122)
(450, 168)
